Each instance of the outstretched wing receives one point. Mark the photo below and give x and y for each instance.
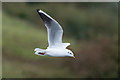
(54, 29)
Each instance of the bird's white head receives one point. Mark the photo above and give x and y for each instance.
(69, 53)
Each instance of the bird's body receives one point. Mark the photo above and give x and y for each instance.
(56, 52)
(56, 48)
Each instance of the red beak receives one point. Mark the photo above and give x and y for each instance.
(73, 56)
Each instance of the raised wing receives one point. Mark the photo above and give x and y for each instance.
(55, 31)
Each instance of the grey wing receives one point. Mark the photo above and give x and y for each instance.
(54, 30)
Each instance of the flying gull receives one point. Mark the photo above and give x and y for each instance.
(56, 48)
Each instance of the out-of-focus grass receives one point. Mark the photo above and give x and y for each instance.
(19, 40)
(23, 38)
(21, 69)
(15, 32)
(91, 28)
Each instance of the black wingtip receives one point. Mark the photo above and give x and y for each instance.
(44, 17)
(38, 10)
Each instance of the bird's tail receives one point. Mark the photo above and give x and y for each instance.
(40, 52)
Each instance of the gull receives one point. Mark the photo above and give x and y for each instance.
(56, 48)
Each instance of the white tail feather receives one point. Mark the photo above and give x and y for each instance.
(40, 52)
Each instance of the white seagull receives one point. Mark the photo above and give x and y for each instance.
(56, 48)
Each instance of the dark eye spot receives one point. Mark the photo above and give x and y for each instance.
(69, 53)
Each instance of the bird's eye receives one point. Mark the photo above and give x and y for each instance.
(69, 53)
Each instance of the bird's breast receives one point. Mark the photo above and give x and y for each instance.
(55, 52)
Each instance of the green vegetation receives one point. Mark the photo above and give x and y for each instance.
(91, 28)
(15, 32)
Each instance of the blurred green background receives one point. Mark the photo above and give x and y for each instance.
(91, 28)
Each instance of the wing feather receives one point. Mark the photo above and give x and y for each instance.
(54, 29)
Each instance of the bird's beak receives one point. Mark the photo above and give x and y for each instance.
(73, 56)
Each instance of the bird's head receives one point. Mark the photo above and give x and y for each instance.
(69, 53)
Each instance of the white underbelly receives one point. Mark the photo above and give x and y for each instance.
(55, 52)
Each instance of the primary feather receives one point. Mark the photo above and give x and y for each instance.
(54, 30)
